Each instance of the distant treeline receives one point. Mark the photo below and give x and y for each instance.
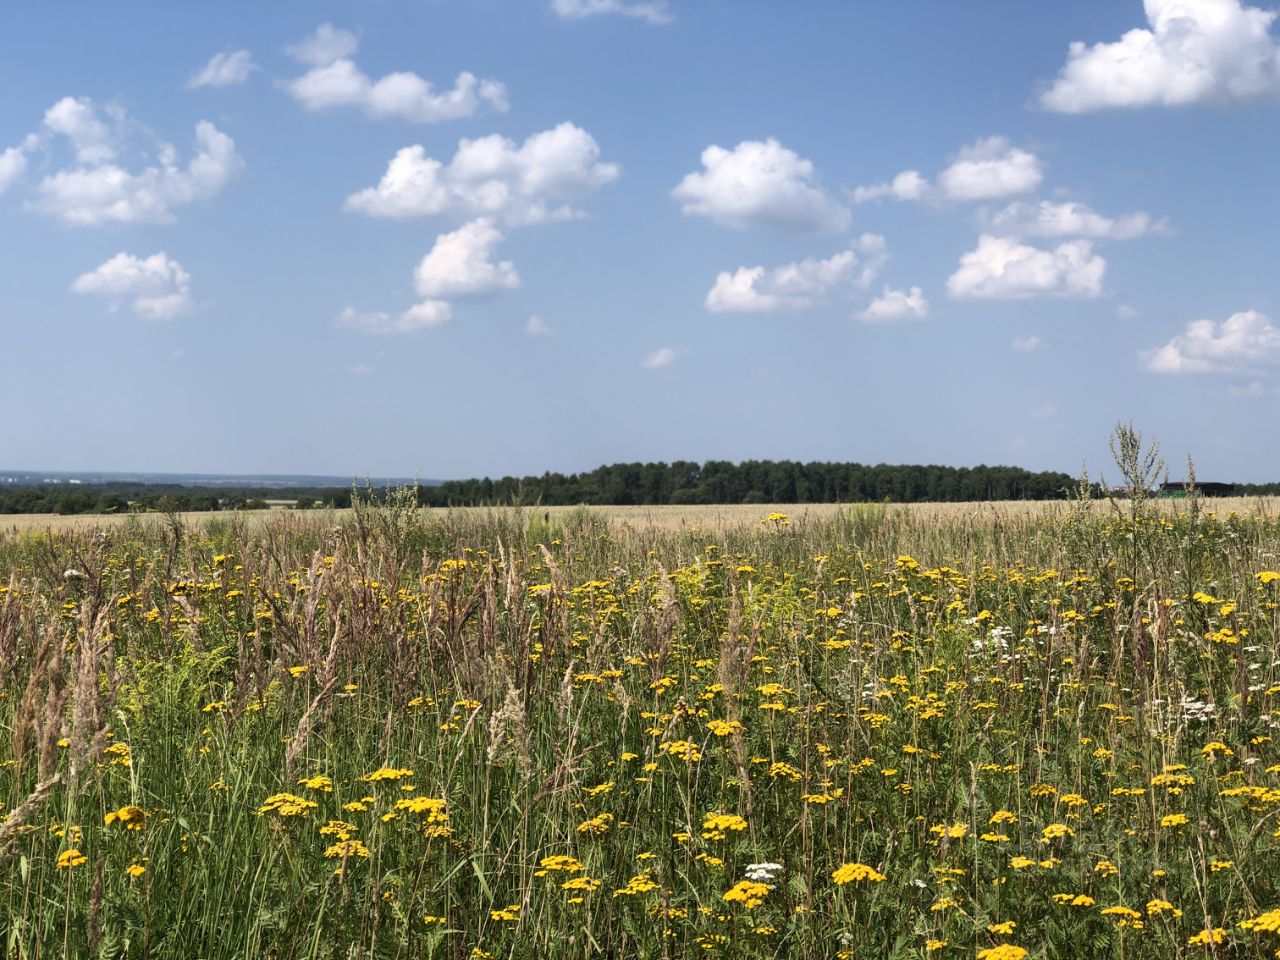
(651, 484)
(162, 498)
(755, 481)
(768, 481)
(1256, 489)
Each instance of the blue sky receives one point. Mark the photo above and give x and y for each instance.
(464, 237)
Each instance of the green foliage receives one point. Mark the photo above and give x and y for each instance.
(753, 481)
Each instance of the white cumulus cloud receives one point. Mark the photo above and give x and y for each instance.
(325, 45)
(421, 316)
(537, 327)
(797, 286)
(895, 306)
(909, 185)
(224, 69)
(1026, 344)
(1071, 219)
(990, 169)
(156, 287)
(759, 183)
(461, 265)
(76, 118)
(541, 179)
(97, 190)
(13, 161)
(1001, 268)
(1192, 51)
(662, 357)
(1243, 342)
(334, 80)
(653, 11)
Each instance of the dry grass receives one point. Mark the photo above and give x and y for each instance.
(714, 517)
(737, 516)
(27, 522)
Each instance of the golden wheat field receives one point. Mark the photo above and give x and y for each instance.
(963, 731)
(717, 517)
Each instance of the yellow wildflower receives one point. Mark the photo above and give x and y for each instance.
(1005, 951)
(69, 859)
(856, 872)
(287, 805)
(747, 892)
(131, 818)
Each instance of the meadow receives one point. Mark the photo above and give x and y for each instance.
(864, 731)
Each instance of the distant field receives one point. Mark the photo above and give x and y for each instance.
(706, 516)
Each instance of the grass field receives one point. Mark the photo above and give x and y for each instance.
(717, 517)
(952, 731)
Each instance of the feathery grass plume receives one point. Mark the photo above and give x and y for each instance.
(517, 617)
(11, 628)
(564, 698)
(15, 823)
(91, 676)
(510, 739)
(47, 721)
(81, 694)
(555, 633)
(37, 646)
(732, 670)
(659, 626)
(326, 684)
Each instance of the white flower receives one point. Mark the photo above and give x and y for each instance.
(763, 872)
